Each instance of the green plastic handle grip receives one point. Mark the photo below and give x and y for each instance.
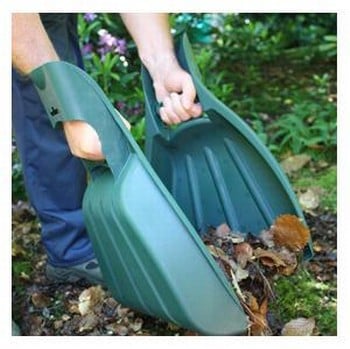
(68, 93)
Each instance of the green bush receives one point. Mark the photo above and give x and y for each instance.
(110, 57)
(310, 125)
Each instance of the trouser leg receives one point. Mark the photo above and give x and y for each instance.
(55, 180)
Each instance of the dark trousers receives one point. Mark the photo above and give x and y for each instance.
(55, 180)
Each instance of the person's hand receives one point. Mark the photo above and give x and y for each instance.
(83, 140)
(176, 93)
(173, 86)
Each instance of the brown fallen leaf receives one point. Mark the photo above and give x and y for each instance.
(57, 324)
(259, 325)
(88, 322)
(73, 306)
(290, 259)
(310, 199)
(35, 323)
(269, 258)
(299, 327)
(89, 298)
(136, 325)
(295, 163)
(122, 311)
(290, 232)
(243, 253)
(40, 300)
(217, 252)
(251, 301)
(241, 273)
(266, 237)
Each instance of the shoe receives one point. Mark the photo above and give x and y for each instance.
(88, 271)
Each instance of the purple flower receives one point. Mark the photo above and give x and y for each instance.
(87, 48)
(120, 105)
(102, 51)
(121, 46)
(89, 17)
(106, 39)
(109, 43)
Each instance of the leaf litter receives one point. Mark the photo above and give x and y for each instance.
(250, 263)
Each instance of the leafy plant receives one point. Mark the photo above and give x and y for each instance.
(110, 57)
(310, 125)
(329, 47)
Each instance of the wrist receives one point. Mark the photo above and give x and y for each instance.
(26, 69)
(159, 64)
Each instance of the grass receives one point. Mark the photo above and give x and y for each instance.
(325, 179)
(301, 295)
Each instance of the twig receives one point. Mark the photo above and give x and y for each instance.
(236, 286)
(266, 281)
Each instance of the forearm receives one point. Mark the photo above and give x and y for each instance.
(31, 47)
(151, 33)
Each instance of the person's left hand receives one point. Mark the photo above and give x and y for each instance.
(176, 93)
(83, 141)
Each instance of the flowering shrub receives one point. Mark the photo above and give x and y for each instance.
(110, 57)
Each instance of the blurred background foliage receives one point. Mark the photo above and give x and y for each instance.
(276, 71)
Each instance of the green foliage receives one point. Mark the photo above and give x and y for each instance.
(277, 71)
(301, 295)
(329, 47)
(200, 27)
(138, 132)
(310, 125)
(110, 57)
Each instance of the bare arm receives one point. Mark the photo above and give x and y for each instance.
(151, 34)
(31, 47)
(173, 86)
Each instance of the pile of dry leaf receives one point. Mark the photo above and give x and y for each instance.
(251, 262)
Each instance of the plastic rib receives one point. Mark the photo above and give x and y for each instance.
(221, 188)
(250, 181)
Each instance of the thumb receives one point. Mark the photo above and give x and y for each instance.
(160, 91)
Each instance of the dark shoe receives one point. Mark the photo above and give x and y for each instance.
(88, 271)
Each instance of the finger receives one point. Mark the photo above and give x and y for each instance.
(169, 113)
(164, 116)
(188, 92)
(178, 108)
(160, 91)
(196, 110)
